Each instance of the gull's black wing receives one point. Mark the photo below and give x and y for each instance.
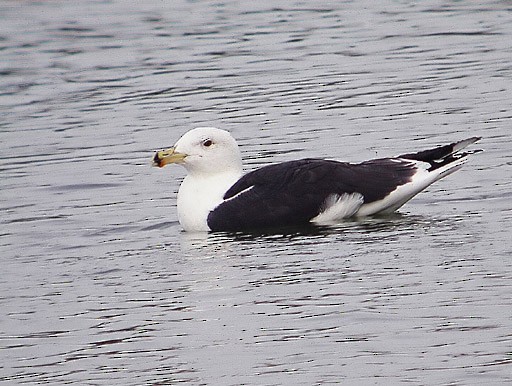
(294, 192)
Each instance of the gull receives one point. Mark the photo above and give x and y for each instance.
(216, 195)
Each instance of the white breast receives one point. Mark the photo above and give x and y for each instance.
(199, 195)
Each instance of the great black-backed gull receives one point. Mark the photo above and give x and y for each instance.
(216, 195)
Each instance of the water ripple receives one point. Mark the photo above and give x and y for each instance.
(100, 286)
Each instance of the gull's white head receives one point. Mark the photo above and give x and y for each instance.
(204, 150)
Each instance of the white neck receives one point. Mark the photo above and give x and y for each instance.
(199, 194)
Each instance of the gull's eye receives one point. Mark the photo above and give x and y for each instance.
(207, 143)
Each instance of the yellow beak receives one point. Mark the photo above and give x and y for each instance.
(168, 156)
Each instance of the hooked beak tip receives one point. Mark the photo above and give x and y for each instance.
(164, 157)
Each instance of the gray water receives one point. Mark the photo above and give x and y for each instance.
(99, 286)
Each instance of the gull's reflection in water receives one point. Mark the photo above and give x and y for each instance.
(361, 231)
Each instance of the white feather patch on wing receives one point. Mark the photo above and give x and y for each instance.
(337, 207)
(239, 193)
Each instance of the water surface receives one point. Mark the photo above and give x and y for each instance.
(100, 286)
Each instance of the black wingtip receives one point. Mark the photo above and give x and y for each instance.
(444, 155)
(457, 146)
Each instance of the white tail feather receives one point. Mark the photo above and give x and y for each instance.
(421, 180)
